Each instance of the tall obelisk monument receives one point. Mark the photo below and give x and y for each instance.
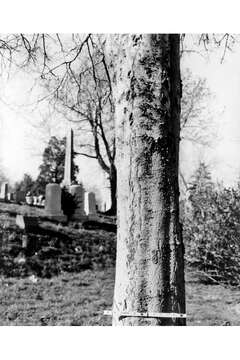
(68, 166)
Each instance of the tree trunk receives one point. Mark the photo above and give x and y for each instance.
(147, 92)
(113, 190)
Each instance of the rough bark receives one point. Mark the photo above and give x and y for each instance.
(147, 92)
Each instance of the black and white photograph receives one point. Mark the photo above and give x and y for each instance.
(120, 185)
(119, 180)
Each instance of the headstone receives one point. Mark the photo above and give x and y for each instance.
(10, 196)
(20, 196)
(53, 203)
(68, 165)
(78, 192)
(29, 199)
(39, 200)
(26, 222)
(90, 205)
(4, 191)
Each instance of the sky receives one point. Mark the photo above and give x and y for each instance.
(223, 80)
(21, 144)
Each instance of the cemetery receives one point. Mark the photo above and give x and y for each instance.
(65, 272)
(39, 241)
(53, 274)
(122, 219)
(32, 230)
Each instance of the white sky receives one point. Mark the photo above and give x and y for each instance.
(21, 145)
(224, 82)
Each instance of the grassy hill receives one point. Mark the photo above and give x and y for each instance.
(67, 278)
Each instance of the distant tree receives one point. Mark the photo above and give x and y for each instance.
(82, 91)
(52, 167)
(26, 184)
(196, 121)
(201, 180)
(3, 177)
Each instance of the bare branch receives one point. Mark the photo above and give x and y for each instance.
(87, 155)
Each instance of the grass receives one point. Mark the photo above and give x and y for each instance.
(69, 299)
(14, 209)
(80, 299)
(211, 304)
(53, 249)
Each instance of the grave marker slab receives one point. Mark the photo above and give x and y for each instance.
(90, 205)
(20, 196)
(78, 192)
(53, 208)
(4, 191)
(10, 196)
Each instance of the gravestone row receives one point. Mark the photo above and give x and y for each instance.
(19, 196)
(85, 201)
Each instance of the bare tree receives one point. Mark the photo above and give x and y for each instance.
(81, 81)
(84, 95)
(75, 74)
(196, 121)
(198, 125)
